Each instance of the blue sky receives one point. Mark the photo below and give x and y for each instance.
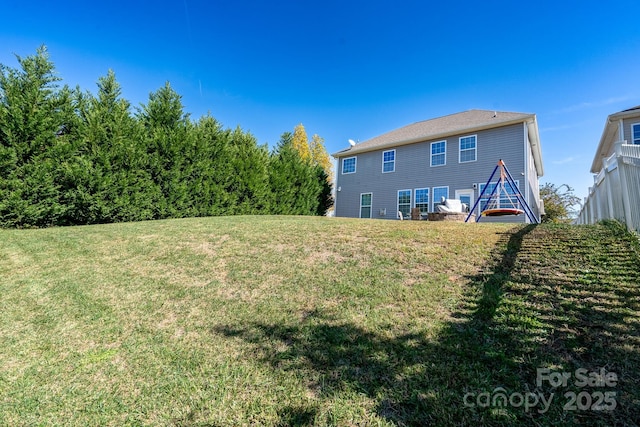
(355, 69)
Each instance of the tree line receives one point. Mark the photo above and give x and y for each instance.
(70, 157)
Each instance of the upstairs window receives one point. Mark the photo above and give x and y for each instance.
(439, 153)
(468, 149)
(349, 165)
(388, 161)
(635, 133)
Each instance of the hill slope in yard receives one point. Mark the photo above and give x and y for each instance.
(318, 321)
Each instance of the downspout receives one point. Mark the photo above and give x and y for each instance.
(620, 130)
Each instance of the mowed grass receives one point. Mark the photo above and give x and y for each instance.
(312, 321)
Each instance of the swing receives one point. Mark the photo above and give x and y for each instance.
(502, 211)
(499, 194)
(493, 207)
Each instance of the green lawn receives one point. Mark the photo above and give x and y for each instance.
(316, 321)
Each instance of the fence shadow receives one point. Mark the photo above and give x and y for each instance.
(496, 341)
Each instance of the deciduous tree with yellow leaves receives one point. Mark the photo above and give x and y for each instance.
(320, 157)
(300, 142)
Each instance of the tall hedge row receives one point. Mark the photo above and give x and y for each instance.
(70, 157)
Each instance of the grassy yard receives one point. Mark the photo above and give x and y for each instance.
(317, 321)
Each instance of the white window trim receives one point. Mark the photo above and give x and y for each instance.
(433, 196)
(431, 153)
(369, 206)
(398, 199)
(475, 149)
(483, 184)
(355, 165)
(632, 126)
(466, 192)
(394, 161)
(415, 197)
(486, 195)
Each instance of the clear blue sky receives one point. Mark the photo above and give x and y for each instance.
(355, 69)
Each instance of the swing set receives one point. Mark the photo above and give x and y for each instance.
(501, 202)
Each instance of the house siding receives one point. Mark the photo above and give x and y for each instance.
(413, 170)
(626, 124)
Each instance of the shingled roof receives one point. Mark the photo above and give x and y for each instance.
(631, 109)
(467, 121)
(442, 127)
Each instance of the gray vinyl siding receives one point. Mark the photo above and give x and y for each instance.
(628, 136)
(413, 170)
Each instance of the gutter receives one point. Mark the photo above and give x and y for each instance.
(534, 140)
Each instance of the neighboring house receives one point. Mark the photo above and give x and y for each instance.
(616, 190)
(623, 128)
(451, 157)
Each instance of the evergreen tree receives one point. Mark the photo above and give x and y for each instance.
(29, 106)
(30, 118)
(166, 128)
(294, 181)
(71, 157)
(74, 169)
(249, 183)
(325, 198)
(211, 170)
(119, 187)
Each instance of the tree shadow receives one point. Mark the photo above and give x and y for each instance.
(505, 327)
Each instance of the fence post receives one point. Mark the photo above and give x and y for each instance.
(596, 198)
(626, 201)
(607, 183)
(589, 205)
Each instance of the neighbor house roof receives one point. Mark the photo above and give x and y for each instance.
(605, 147)
(454, 124)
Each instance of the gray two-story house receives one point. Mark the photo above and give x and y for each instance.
(452, 157)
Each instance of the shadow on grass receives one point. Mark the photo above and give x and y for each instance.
(539, 306)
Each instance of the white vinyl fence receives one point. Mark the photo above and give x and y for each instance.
(616, 190)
